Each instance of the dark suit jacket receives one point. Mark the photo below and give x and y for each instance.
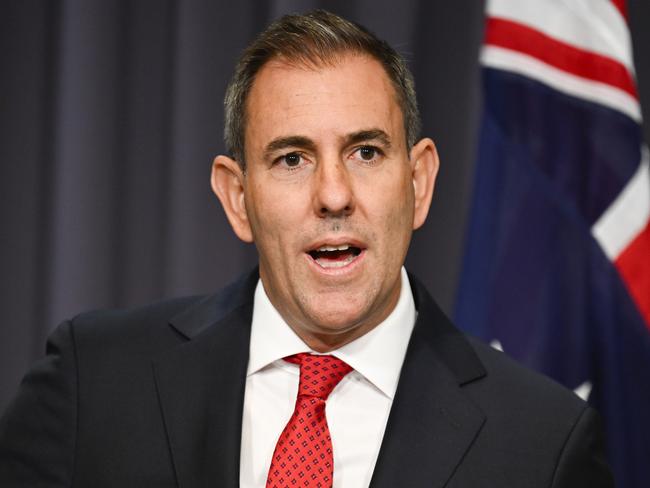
(153, 398)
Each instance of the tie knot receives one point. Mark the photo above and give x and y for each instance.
(319, 375)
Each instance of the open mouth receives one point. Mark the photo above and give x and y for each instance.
(335, 256)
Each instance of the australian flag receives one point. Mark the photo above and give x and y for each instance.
(557, 262)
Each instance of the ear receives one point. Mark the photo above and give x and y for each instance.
(425, 163)
(227, 182)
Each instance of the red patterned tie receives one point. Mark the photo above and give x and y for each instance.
(303, 455)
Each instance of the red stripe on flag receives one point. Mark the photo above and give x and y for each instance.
(634, 266)
(518, 37)
(621, 5)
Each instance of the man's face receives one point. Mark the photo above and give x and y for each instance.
(329, 195)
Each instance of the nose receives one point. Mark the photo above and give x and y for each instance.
(333, 194)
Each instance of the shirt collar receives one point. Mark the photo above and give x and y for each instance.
(377, 355)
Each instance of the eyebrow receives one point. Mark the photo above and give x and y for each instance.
(368, 135)
(291, 141)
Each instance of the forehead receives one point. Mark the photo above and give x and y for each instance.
(348, 95)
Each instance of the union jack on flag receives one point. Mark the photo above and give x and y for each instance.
(557, 260)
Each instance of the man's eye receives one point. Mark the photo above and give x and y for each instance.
(368, 153)
(291, 160)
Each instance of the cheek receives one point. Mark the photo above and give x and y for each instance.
(394, 216)
(274, 219)
(390, 201)
(398, 227)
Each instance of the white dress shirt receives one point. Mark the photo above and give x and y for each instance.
(356, 410)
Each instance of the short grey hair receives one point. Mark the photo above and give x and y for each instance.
(313, 39)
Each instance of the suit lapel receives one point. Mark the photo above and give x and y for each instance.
(432, 422)
(201, 388)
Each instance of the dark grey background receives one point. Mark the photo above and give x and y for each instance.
(111, 114)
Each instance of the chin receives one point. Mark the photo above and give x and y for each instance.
(339, 319)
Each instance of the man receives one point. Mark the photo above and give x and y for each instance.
(331, 367)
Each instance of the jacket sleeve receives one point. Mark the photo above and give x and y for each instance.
(38, 430)
(582, 462)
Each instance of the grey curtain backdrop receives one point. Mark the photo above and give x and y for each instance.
(111, 114)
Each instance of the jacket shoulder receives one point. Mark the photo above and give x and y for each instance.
(539, 424)
(519, 384)
(139, 331)
(156, 326)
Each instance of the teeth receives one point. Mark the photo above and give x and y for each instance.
(335, 264)
(343, 247)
